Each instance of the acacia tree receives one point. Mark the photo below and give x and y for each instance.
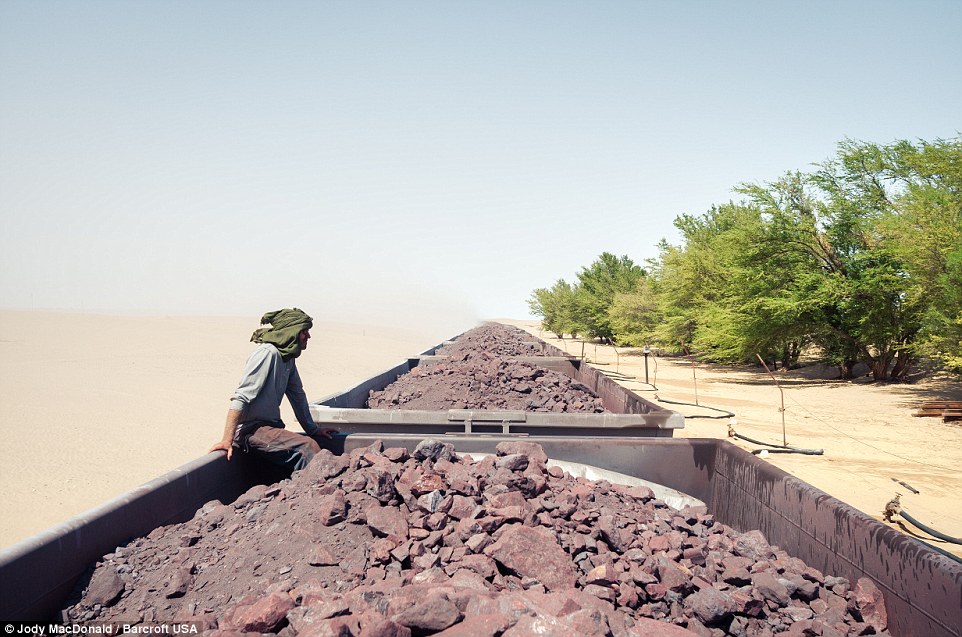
(634, 316)
(790, 291)
(923, 230)
(826, 258)
(688, 278)
(598, 284)
(677, 292)
(556, 307)
(869, 239)
(873, 308)
(704, 288)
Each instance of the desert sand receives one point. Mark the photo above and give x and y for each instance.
(92, 406)
(96, 405)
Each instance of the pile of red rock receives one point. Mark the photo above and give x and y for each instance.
(497, 339)
(381, 542)
(480, 370)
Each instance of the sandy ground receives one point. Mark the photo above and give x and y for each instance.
(92, 406)
(866, 430)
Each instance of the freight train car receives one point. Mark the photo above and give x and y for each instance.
(922, 589)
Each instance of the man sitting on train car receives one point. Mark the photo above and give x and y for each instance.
(254, 418)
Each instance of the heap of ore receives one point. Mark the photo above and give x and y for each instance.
(382, 543)
(496, 339)
(480, 370)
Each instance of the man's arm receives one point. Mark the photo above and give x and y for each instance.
(255, 377)
(252, 382)
(302, 410)
(230, 427)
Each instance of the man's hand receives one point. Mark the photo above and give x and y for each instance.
(230, 428)
(223, 446)
(325, 432)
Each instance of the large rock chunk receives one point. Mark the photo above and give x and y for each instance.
(433, 613)
(489, 625)
(387, 521)
(332, 508)
(770, 588)
(380, 485)
(325, 465)
(534, 552)
(434, 450)
(261, 616)
(646, 627)
(105, 587)
(710, 605)
(867, 601)
(532, 450)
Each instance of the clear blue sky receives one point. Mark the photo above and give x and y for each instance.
(394, 158)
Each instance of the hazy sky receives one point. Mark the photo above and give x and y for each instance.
(408, 158)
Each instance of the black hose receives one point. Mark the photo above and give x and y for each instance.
(725, 413)
(618, 376)
(776, 448)
(907, 486)
(807, 452)
(928, 529)
(757, 442)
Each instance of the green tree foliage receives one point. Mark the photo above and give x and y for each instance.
(634, 316)
(861, 257)
(556, 307)
(789, 274)
(893, 214)
(943, 322)
(692, 283)
(598, 284)
(923, 232)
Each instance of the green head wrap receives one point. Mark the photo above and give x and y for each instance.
(286, 325)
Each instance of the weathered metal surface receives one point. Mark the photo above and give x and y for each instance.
(37, 575)
(923, 589)
(496, 421)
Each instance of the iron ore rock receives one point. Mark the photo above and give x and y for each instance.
(481, 370)
(479, 552)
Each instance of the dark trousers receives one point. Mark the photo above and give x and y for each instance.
(281, 447)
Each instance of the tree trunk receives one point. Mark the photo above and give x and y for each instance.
(846, 371)
(791, 351)
(901, 367)
(880, 366)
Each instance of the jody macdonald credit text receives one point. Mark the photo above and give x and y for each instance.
(40, 629)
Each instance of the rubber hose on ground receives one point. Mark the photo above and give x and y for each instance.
(776, 448)
(757, 442)
(928, 529)
(807, 452)
(725, 413)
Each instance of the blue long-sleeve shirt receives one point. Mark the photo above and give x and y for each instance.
(267, 379)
